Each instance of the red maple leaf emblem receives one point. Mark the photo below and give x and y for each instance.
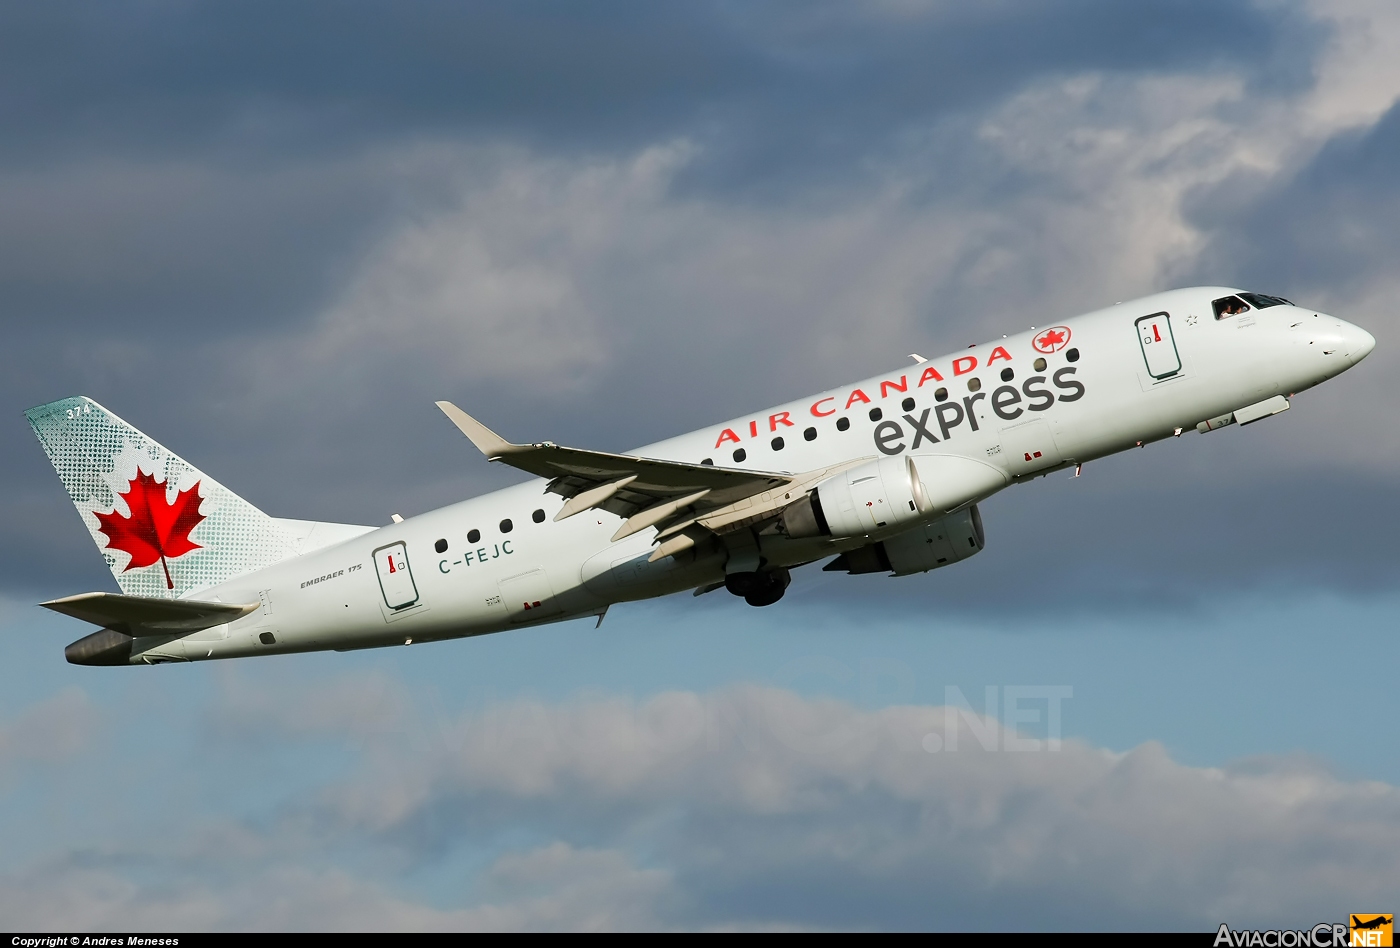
(1052, 340)
(156, 529)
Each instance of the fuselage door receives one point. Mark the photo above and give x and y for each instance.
(1158, 345)
(395, 578)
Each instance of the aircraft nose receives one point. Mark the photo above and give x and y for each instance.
(1341, 344)
(1357, 342)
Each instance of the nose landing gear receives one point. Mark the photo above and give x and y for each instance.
(759, 589)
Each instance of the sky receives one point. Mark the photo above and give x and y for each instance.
(270, 236)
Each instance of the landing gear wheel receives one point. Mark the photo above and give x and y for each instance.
(741, 584)
(759, 589)
(766, 596)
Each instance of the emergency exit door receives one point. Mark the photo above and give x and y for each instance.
(1158, 345)
(395, 578)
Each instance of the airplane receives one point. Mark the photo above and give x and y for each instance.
(882, 476)
(1376, 921)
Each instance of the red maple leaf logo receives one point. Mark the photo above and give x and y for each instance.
(156, 529)
(1052, 340)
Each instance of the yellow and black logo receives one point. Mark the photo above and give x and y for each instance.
(1373, 931)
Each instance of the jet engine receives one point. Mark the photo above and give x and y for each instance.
(918, 550)
(874, 496)
(885, 495)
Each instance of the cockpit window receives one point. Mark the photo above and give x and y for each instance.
(1260, 301)
(1228, 306)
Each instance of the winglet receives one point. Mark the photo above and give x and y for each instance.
(487, 441)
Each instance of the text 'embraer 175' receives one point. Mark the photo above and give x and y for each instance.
(881, 476)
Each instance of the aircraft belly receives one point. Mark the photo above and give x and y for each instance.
(623, 572)
(1150, 412)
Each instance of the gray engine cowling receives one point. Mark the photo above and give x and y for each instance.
(873, 497)
(885, 495)
(920, 549)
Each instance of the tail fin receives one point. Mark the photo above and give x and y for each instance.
(163, 526)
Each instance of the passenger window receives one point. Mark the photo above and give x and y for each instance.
(842, 424)
(473, 536)
(777, 444)
(1228, 306)
(907, 404)
(507, 526)
(708, 462)
(537, 516)
(810, 434)
(440, 546)
(740, 454)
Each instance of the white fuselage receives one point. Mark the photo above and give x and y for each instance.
(1105, 400)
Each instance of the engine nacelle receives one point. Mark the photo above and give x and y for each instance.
(882, 496)
(926, 547)
(878, 495)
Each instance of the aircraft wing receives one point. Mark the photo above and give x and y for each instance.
(138, 615)
(644, 491)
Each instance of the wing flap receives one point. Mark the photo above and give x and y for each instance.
(650, 481)
(766, 504)
(592, 497)
(138, 615)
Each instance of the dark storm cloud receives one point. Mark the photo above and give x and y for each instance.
(205, 165)
(269, 235)
(846, 83)
(159, 79)
(264, 77)
(1125, 540)
(196, 185)
(173, 253)
(1329, 229)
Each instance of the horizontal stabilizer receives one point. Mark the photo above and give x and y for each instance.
(138, 615)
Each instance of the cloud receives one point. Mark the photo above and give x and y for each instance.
(748, 807)
(584, 272)
(277, 271)
(73, 897)
(52, 731)
(558, 886)
(555, 887)
(355, 708)
(781, 82)
(763, 801)
(768, 802)
(273, 249)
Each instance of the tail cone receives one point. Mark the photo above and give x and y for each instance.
(105, 647)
